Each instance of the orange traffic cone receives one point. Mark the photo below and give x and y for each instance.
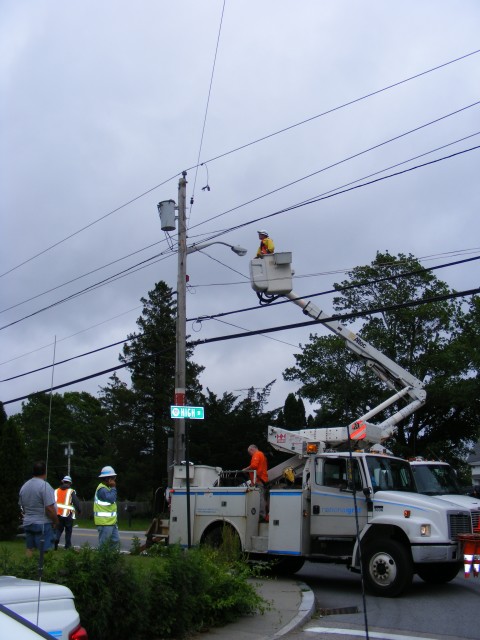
(468, 552)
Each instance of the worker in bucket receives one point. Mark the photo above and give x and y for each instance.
(266, 244)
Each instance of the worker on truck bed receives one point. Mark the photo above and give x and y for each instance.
(266, 244)
(258, 463)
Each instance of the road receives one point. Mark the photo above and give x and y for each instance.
(440, 612)
(82, 536)
(434, 612)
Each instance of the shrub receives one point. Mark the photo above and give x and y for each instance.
(166, 594)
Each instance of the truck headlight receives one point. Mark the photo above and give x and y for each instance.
(425, 530)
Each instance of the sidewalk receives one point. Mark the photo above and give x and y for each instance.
(291, 603)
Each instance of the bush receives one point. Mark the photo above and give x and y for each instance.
(166, 594)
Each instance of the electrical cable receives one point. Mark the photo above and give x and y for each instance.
(286, 327)
(218, 234)
(389, 278)
(339, 162)
(206, 112)
(254, 221)
(231, 151)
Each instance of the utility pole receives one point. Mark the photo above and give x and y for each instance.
(181, 331)
(68, 453)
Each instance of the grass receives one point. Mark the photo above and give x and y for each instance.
(138, 524)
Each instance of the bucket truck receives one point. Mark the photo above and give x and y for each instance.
(335, 499)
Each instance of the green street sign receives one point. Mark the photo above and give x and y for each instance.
(194, 413)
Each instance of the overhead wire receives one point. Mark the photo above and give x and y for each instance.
(285, 327)
(154, 259)
(239, 148)
(206, 110)
(388, 278)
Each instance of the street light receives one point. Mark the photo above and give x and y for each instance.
(166, 210)
(240, 251)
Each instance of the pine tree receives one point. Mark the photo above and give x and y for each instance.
(11, 464)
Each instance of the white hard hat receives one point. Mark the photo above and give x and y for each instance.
(67, 479)
(107, 472)
(263, 232)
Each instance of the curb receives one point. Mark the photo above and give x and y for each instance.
(305, 611)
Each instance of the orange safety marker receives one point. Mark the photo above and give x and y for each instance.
(358, 430)
(471, 553)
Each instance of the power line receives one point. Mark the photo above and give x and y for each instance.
(336, 164)
(134, 267)
(90, 224)
(236, 149)
(206, 109)
(199, 319)
(312, 200)
(214, 317)
(286, 327)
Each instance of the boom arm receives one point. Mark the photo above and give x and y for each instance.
(272, 274)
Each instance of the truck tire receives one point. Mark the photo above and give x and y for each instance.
(438, 573)
(387, 567)
(283, 566)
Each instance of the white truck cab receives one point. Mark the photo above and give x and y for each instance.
(437, 478)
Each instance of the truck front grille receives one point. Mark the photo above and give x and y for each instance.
(459, 523)
(476, 520)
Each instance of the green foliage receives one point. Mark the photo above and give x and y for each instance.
(169, 594)
(139, 419)
(230, 427)
(294, 416)
(11, 464)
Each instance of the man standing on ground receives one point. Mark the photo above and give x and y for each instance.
(67, 506)
(105, 507)
(37, 502)
(259, 464)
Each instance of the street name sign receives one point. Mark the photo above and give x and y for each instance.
(194, 413)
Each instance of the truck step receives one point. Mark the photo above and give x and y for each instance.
(260, 543)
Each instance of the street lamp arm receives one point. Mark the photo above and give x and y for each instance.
(240, 251)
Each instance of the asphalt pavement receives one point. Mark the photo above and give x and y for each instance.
(291, 604)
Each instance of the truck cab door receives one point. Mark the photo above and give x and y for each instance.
(332, 497)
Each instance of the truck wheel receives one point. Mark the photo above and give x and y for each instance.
(286, 566)
(438, 573)
(387, 567)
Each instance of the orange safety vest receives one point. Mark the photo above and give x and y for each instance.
(63, 498)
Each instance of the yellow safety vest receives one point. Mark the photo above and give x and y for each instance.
(104, 513)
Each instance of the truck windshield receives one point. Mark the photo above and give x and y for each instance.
(390, 474)
(435, 479)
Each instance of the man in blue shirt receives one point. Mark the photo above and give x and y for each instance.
(105, 507)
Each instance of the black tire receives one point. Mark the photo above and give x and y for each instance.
(286, 566)
(438, 573)
(387, 567)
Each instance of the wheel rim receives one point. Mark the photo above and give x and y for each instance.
(382, 569)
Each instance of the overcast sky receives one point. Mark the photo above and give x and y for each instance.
(103, 101)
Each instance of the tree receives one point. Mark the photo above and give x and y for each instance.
(47, 423)
(294, 416)
(150, 358)
(230, 427)
(425, 340)
(11, 464)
